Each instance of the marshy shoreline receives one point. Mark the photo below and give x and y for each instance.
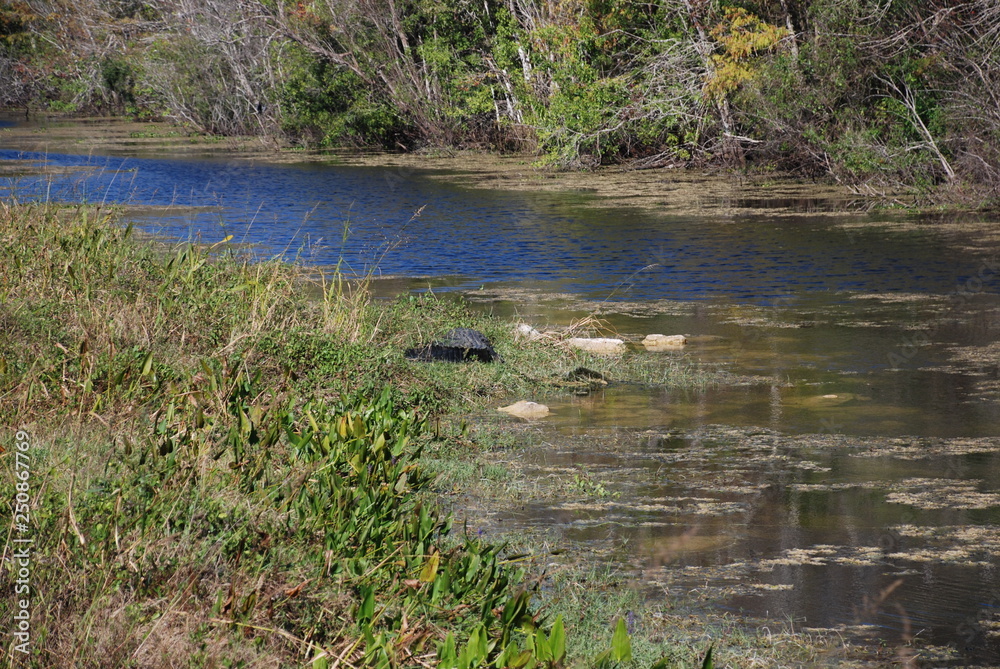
(180, 399)
(679, 190)
(180, 404)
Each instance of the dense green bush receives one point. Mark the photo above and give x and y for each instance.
(897, 95)
(323, 105)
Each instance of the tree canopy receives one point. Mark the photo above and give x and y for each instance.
(879, 93)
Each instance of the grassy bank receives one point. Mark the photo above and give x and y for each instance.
(226, 467)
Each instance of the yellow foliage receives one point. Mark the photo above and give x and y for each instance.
(741, 36)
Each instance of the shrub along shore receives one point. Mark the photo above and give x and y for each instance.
(227, 469)
(883, 97)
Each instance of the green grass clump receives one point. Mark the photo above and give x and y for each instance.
(97, 322)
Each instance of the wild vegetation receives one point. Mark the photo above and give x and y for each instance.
(878, 94)
(226, 470)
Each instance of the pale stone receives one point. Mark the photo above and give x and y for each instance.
(600, 345)
(528, 332)
(525, 409)
(822, 401)
(658, 342)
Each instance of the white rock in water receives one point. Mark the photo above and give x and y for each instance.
(525, 330)
(524, 409)
(658, 342)
(599, 345)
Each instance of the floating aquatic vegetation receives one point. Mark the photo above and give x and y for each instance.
(520, 295)
(734, 489)
(854, 556)
(978, 361)
(681, 505)
(763, 321)
(810, 466)
(936, 655)
(919, 448)
(862, 556)
(941, 494)
(644, 308)
(834, 487)
(585, 506)
(894, 298)
(956, 555)
(855, 323)
(961, 544)
(983, 535)
(817, 555)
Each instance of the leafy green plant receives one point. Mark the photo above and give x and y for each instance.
(586, 485)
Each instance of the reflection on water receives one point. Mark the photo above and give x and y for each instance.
(795, 528)
(831, 489)
(365, 215)
(853, 478)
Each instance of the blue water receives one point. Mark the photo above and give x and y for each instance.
(365, 216)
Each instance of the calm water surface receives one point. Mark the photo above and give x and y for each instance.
(783, 496)
(365, 216)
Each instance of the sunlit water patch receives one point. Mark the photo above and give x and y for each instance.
(367, 219)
